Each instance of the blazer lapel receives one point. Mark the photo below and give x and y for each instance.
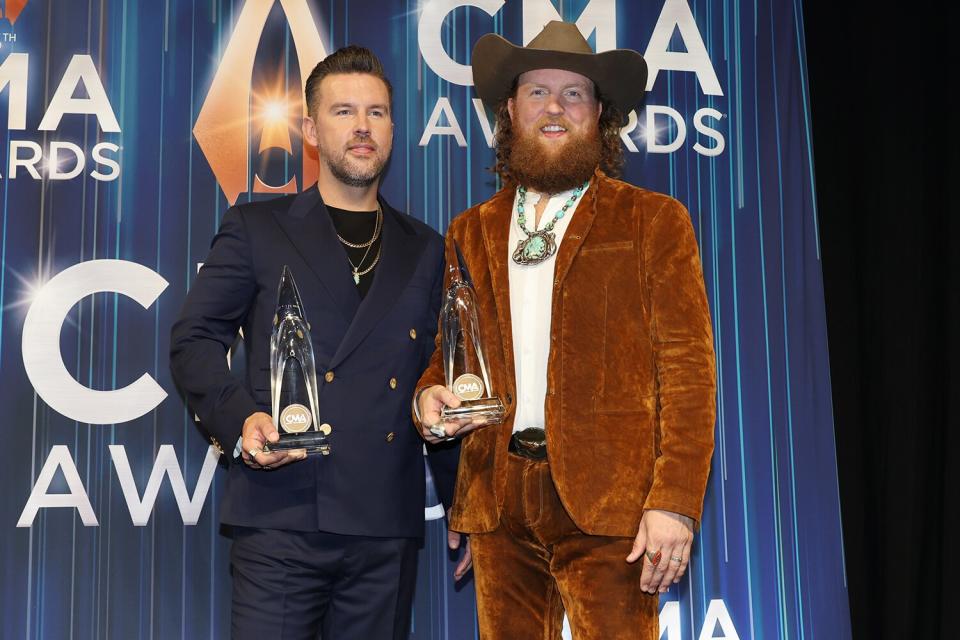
(495, 220)
(576, 232)
(309, 229)
(495, 217)
(400, 253)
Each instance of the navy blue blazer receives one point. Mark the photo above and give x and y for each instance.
(369, 355)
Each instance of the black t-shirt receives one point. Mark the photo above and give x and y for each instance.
(357, 227)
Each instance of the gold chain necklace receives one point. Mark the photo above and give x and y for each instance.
(355, 268)
(357, 273)
(376, 234)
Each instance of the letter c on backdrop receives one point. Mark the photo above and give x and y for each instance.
(41, 342)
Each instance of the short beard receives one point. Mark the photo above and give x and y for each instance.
(350, 175)
(532, 165)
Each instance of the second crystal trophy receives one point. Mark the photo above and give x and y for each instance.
(464, 365)
(293, 376)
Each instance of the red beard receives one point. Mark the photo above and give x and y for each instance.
(551, 168)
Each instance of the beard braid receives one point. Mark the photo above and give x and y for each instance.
(532, 164)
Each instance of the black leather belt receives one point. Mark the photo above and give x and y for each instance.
(530, 443)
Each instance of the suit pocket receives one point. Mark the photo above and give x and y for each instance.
(622, 245)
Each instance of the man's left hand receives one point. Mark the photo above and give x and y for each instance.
(668, 535)
(454, 538)
(453, 541)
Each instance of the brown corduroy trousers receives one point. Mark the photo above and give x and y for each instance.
(538, 564)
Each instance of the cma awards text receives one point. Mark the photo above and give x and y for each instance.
(662, 129)
(60, 160)
(658, 128)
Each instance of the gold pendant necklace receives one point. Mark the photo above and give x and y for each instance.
(355, 268)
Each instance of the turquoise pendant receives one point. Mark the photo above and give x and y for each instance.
(535, 248)
(539, 246)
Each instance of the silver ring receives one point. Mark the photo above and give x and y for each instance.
(676, 559)
(253, 452)
(438, 430)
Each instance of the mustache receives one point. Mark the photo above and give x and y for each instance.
(364, 141)
(543, 122)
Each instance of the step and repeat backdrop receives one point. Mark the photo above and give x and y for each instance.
(129, 128)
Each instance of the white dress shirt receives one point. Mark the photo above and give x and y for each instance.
(531, 298)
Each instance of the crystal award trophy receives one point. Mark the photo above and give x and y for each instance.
(464, 365)
(293, 376)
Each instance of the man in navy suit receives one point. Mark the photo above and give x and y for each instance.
(322, 544)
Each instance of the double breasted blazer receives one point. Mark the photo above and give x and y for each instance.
(369, 354)
(631, 378)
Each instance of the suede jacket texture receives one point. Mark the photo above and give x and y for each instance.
(631, 377)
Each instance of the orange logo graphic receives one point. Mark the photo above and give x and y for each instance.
(11, 9)
(223, 127)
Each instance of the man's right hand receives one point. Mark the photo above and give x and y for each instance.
(431, 403)
(258, 430)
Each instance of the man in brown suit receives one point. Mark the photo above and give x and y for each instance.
(598, 340)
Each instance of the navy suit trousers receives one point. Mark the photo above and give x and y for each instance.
(293, 585)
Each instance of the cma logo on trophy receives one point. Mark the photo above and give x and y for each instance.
(223, 127)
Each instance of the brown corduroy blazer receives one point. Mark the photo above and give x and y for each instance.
(631, 377)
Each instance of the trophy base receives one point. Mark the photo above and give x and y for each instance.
(482, 411)
(312, 442)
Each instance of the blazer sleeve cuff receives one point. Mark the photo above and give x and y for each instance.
(227, 425)
(685, 505)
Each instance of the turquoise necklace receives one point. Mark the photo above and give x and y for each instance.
(540, 244)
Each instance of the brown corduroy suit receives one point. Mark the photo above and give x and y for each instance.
(631, 378)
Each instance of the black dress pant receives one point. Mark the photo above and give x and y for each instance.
(294, 585)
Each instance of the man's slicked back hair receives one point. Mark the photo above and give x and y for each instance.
(349, 59)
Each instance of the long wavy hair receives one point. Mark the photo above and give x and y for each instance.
(611, 150)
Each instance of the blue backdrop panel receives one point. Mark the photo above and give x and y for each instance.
(128, 129)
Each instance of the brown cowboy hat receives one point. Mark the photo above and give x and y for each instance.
(620, 75)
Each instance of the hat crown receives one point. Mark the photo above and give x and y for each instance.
(620, 75)
(560, 36)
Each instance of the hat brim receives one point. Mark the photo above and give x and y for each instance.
(620, 74)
